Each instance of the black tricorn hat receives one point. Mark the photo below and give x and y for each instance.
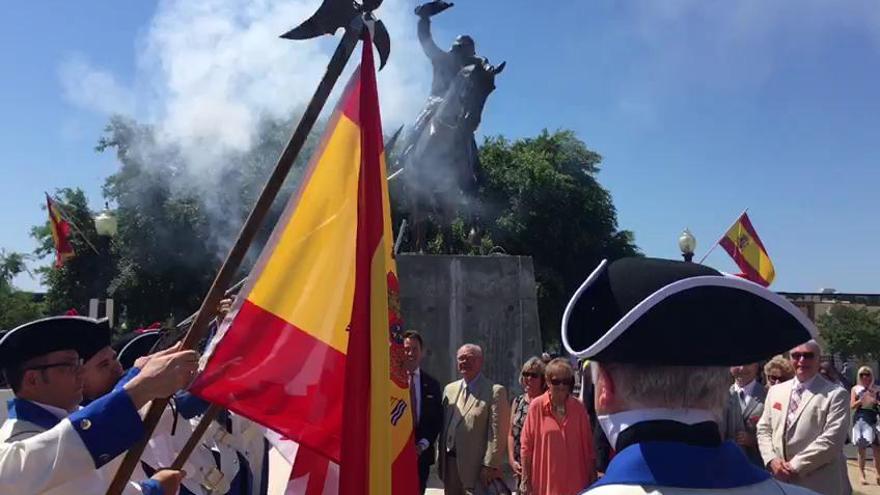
(664, 312)
(135, 345)
(58, 333)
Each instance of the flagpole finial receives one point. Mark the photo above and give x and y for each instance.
(346, 14)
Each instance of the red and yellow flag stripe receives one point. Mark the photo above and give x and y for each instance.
(745, 247)
(313, 346)
(60, 234)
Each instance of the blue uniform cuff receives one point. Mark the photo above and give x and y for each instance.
(190, 406)
(131, 373)
(108, 426)
(151, 487)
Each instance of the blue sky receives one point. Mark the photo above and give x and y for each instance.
(699, 108)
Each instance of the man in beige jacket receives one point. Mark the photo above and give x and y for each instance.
(475, 422)
(803, 427)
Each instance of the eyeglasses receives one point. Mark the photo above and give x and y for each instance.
(774, 378)
(560, 381)
(529, 374)
(796, 356)
(74, 366)
(864, 374)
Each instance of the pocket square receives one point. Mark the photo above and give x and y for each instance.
(777, 405)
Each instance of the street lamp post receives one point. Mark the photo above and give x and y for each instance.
(688, 244)
(106, 226)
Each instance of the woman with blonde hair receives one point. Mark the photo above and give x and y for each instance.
(863, 401)
(777, 370)
(557, 443)
(532, 380)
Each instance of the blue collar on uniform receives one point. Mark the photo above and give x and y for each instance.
(681, 465)
(26, 410)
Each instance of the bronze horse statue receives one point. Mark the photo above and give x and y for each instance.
(440, 159)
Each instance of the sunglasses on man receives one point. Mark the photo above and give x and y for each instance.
(796, 356)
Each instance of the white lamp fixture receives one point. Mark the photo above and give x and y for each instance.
(688, 244)
(105, 222)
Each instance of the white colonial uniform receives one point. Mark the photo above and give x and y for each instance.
(244, 443)
(41, 453)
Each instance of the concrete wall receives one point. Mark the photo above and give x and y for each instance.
(486, 300)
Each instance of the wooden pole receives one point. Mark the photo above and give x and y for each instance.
(248, 231)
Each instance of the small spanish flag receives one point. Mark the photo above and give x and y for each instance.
(748, 252)
(60, 234)
(313, 346)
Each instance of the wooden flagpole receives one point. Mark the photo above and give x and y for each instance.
(233, 261)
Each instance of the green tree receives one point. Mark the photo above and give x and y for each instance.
(177, 221)
(88, 273)
(540, 197)
(851, 331)
(16, 307)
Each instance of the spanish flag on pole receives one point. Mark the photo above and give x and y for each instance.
(745, 247)
(313, 347)
(60, 233)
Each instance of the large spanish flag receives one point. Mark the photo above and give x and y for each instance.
(60, 233)
(745, 247)
(313, 345)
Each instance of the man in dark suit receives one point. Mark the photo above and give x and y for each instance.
(745, 405)
(427, 398)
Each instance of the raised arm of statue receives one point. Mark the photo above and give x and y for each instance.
(430, 48)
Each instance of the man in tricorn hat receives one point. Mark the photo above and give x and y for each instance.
(661, 336)
(49, 444)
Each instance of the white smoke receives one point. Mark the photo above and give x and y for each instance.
(94, 89)
(209, 71)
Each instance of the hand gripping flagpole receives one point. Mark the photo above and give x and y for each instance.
(332, 15)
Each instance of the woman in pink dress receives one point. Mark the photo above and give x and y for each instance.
(557, 443)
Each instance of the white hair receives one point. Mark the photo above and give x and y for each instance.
(472, 348)
(675, 387)
(812, 344)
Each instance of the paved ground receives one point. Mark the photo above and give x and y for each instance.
(872, 488)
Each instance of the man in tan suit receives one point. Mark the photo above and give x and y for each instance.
(803, 427)
(475, 425)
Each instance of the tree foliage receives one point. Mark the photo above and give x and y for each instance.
(87, 274)
(851, 331)
(178, 219)
(16, 307)
(540, 197)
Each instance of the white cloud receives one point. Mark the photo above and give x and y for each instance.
(93, 88)
(730, 47)
(208, 71)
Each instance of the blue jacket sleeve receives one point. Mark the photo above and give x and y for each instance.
(189, 405)
(152, 487)
(133, 372)
(108, 426)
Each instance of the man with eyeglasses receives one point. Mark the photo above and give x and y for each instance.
(475, 426)
(803, 428)
(745, 405)
(49, 444)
